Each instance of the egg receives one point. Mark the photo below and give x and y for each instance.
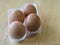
(17, 15)
(16, 30)
(32, 22)
(28, 9)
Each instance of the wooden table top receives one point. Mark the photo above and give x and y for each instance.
(49, 11)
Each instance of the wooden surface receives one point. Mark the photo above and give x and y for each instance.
(49, 11)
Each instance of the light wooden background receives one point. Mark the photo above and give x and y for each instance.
(49, 11)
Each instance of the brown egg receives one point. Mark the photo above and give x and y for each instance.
(16, 30)
(32, 22)
(16, 16)
(29, 8)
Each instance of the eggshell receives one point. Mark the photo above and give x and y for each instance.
(28, 9)
(16, 16)
(16, 30)
(32, 22)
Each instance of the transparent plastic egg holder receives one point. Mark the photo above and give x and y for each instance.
(10, 11)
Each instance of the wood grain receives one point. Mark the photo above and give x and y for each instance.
(49, 11)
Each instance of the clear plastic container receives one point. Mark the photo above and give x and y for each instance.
(10, 11)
